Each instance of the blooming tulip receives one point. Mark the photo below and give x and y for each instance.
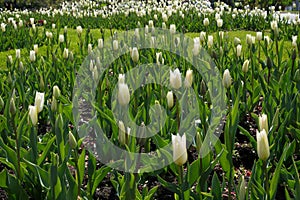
(33, 114)
(175, 78)
(179, 149)
(123, 94)
(39, 101)
(263, 149)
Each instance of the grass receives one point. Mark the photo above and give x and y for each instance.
(95, 33)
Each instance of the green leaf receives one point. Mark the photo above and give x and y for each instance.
(99, 176)
(46, 151)
(170, 186)
(249, 136)
(81, 165)
(151, 193)
(216, 188)
(194, 172)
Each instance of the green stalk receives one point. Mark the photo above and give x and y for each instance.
(266, 184)
(77, 172)
(180, 181)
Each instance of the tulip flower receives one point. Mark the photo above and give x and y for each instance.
(33, 114)
(202, 37)
(172, 28)
(179, 149)
(56, 91)
(115, 45)
(18, 53)
(210, 41)
(72, 140)
(123, 94)
(12, 107)
(220, 23)
(175, 78)
(206, 22)
(245, 66)
(61, 38)
(159, 58)
(122, 134)
(294, 40)
(79, 30)
(100, 43)
(188, 78)
(263, 149)
(227, 79)
(66, 53)
(170, 99)
(263, 122)
(39, 101)
(197, 45)
(36, 48)
(32, 56)
(259, 36)
(239, 50)
(135, 55)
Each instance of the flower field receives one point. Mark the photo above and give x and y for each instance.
(149, 100)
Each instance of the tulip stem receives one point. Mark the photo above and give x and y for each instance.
(180, 181)
(77, 172)
(265, 164)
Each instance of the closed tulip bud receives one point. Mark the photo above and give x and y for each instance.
(66, 53)
(72, 140)
(123, 94)
(115, 45)
(206, 22)
(159, 59)
(267, 39)
(33, 115)
(122, 134)
(170, 99)
(188, 78)
(1, 104)
(165, 17)
(3, 27)
(245, 66)
(172, 28)
(239, 50)
(175, 78)
(203, 88)
(263, 149)
(32, 56)
(53, 26)
(79, 30)
(259, 36)
(121, 78)
(294, 41)
(220, 23)
(249, 39)
(54, 104)
(31, 20)
(61, 38)
(202, 37)
(42, 83)
(146, 29)
(100, 43)
(242, 189)
(236, 41)
(18, 53)
(179, 149)
(163, 25)
(196, 49)
(21, 66)
(263, 122)
(90, 48)
(151, 25)
(9, 59)
(135, 55)
(12, 107)
(226, 79)
(210, 41)
(56, 91)
(36, 48)
(39, 101)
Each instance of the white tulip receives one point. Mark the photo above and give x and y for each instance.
(263, 149)
(39, 101)
(33, 114)
(238, 50)
(227, 79)
(188, 78)
(172, 28)
(175, 78)
(32, 56)
(123, 94)
(179, 149)
(170, 99)
(18, 53)
(135, 55)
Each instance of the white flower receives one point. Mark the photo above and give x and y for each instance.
(245, 66)
(196, 48)
(100, 43)
(210, 41)
(39, 101)
(263, 149)
(159, 58)
(175, 78)
(151, 25)
(135, 54)
(53, 26)
(227, 79)
(172, 29)
(179, 149)
(220, 23)
(61, 38)
(123, 94)
(90, 48)
(188, 78)
(170, 99)
(33, 114)
(115, 45)
(10, 60)
(36, 48)
(122, 134)
(165, 17)
(32, 56)
(206, 22)
(259, 36)
(294, 40)
(79, 30)
(238, 50)
(18, 53)
(202, 37)
(66, 53)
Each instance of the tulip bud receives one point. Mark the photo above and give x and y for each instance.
(163, 25)
(203, 88)
(196, 49)
(54, 104)
(172, 28)
(71, 56)
(202, 37)
(206, 22)
(100, 43)
(90, 48)
(39, 101)
(294, 41)
(263, 122)
(220, 23)
(210, 41)
(165, 17)
(135, 55)
(175, 78)
(32, 56)
(115, 45)
(159, 58)
(188, 78)
(123, 94)
(33, 114)
(239, 50)
(61, 38)
(179, 149)
(42, 83)
(170, 99)
(226, 79)
(72, 140)
(66, 53)
(122, 134)
(236, 41)
(263, 149)
(150, 24)
(269, 63)
(56, 91)
(245, 66)
(36, 48)
(18, 53)
(12, 107)
(9, 59)
(259, 36)
(79, 30)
